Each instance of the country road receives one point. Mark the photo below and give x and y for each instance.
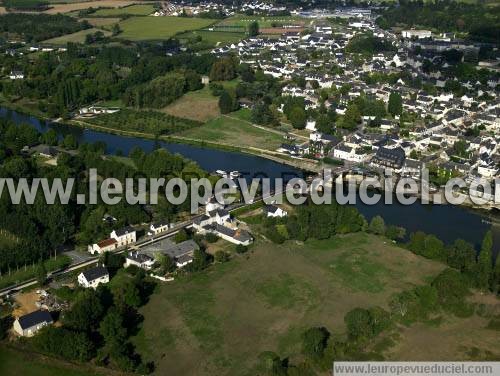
(11, 290)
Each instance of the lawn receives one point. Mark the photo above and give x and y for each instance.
(235, 132)
(219, 321)
(131, 10)
(154, 28)
(15, 363)
(198, 105)
(78, 37)
(214, 37)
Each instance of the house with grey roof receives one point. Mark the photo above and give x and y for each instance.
(28, 325)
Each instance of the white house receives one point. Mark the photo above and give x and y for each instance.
(16, 75)
(105, 245)
(158, 227)
(274, 211)
(29, 324)
(93, 277)
(124, 236)
(140, 260)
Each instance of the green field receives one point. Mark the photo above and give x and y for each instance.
(235, 132)
(132, 10)
(156, 28)
(198, 105)
(16, 363)
(244, 21)
(219, 321)
(78, 37)
(213, 37)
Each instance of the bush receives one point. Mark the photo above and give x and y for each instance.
(211, 238)
(221, 256)
(240, 248)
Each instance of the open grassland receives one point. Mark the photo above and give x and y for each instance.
(101, 22)
(155, 28)
(73, 6)
(235, 132)
(214, 37)
(131, 10)
(78, 37)
(198, 105)
(244, 21)
(16, 363)
(263, 301)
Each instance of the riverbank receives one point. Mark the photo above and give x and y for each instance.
(301, 164)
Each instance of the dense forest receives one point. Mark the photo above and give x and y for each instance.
(38, 27)
(481, 22)
(31, 233)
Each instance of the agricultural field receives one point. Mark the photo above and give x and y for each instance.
(198, 105)
(131, 10)
(244, 21)
(101, 22)
(14, 363)
(263, 302)
(78, 37)
(214, 37)
(235, 132)
(157, 28)
(70, 6)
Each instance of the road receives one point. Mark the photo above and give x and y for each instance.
(12, 290)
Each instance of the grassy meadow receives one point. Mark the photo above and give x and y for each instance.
(78, 37)
(218, 322)
(131, 10)
(214, 37)
(198, 105)
(157, 28)
(235, 132)
(15, 363)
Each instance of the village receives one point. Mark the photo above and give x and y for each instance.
(455, 135)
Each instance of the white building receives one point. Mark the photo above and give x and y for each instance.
(140, 260)
(29, 324)
(274, 211)
(93, 277)
(420, 34)
(124, 236)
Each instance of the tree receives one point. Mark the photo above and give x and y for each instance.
(358, 322)
(253, 29)
(50, 137)
(451, 288)
(86, 312)
(240, 248)
(377, 225)
(484, 263)
(181, 236)
(298, 117)
(395, 232)
(227, 102)
(113, 331)
(69, 142)
(352, 117)
(495, 281)
(223, 70)
(166, 263)
(314, 341)
(221, 256)
(395, 105)
(200, 260)
(41, 274)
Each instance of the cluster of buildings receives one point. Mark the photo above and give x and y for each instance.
(219, 222)
(439, 119)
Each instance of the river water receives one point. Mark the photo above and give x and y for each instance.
(448, 222)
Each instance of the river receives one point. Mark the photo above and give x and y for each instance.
(448, 222)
